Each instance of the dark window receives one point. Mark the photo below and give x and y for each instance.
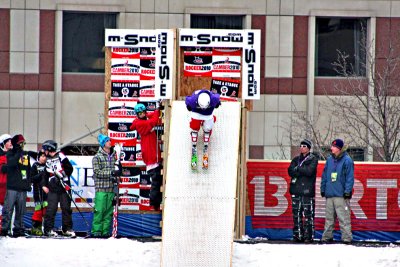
(356, 153)
(346, 35)
(216, 22)
(83, 41)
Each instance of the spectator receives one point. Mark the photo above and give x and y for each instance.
(303, 173)
(38, 174)
(337, 186)
(5, 145)
(18, 184)
(104, 175)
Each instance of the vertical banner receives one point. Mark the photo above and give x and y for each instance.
(251, 65)
(236, 54)
(164, 64)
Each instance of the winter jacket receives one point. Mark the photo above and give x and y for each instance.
(148, 138)
(103, 165)
(38, 176)
(191, 102)
(57, 163)
(344, 167)
(3, 177)
(18, 170)
(303, 173)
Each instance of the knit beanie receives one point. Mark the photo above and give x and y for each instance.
(307, 143)
(338, 143)
(103, 139)
(17, 139)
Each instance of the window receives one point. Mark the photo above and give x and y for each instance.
(356, 153)
(216, 22)
(346, 35)
(83, 41)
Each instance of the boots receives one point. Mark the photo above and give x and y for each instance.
(36, 228)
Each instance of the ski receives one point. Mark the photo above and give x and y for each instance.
(194, 158)
(118, 150)
(205, 157)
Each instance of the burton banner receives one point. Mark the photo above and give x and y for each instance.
(375, 205)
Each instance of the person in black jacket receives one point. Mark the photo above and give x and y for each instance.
(38, 176)
(59, 170)
(18, 184)
(303, 173)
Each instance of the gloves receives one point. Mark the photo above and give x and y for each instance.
(322, 194)
(188, 108)
(217, 105)
(347, 195)
(117, 170)
(61, 175)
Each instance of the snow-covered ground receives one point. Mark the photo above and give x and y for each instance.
(36, 252)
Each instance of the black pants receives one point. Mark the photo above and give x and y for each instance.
(156, 182)
(53, 198)
(303, 209)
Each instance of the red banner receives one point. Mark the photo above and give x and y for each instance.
(375, 204)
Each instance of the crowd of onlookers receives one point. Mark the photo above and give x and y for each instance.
(48, 171)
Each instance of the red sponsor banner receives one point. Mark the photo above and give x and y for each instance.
(375, 204)
(125, 52)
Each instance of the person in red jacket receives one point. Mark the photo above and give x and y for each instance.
(5, 145)
(151, 155)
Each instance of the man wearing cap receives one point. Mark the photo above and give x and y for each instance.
(104, 174)
(18, 184)
(336, 186)
(303, 172)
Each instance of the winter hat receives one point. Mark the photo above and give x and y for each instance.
(338, 143)
(17, 139)
(103, 139)
(307, 143)
(4, 139)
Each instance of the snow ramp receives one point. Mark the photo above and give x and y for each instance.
(199, 206)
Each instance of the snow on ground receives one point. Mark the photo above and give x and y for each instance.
(37, 252)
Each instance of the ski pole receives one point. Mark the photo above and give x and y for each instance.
(67, 188)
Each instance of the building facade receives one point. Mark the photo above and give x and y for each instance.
(52, 62)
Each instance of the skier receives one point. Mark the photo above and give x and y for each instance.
(105, 171)
(38, 174)
(151, 154)
(58, 169)
(201, 105)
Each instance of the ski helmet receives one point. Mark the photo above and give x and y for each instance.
(203, 100)
(4, 139)
(50, 145)
(139, 108)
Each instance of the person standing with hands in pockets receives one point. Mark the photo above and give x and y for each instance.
(303, 173)
(336, 186)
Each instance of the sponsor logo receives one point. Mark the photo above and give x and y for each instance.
(132, 39)
(205, 39)
(164, 71)
(250, 59)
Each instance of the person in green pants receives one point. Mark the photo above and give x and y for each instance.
(104, 175)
